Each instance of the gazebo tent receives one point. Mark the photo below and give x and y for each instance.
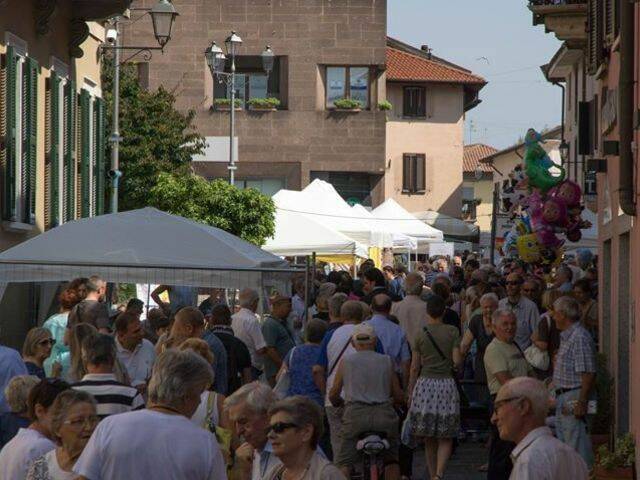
(453, 229)
(395, 217)
(401, 242)
(142, 246)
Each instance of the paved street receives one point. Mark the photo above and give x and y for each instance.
(463, 466)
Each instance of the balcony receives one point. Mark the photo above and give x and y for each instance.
(567, 19)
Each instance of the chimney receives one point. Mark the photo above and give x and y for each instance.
(425, 48)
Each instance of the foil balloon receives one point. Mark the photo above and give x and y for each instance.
(537, 164)
(528, 248)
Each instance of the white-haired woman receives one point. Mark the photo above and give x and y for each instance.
(73, 419)
(160, 441)
(16, 394)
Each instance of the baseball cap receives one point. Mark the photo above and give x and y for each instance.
(363, 333)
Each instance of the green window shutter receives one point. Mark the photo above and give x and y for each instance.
(99, 171)
(30, 137)
(9, 173)
(69, 173)
(85, 153)
(54, 152)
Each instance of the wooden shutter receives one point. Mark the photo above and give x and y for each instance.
(414, 102)
(595, 35)
(10, 126)
(609, 16)
(406, 173)
(85, 153)
(69, 174)
(30, 139)
(53, 187)
(420, 173)
(100, 167)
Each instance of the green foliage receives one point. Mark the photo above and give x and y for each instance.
(225, 102)
(245, 213)
(347, 104)
(384, 105)
(156, 137)
(623, 454)
(270, 102)
(604, 387)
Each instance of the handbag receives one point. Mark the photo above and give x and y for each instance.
(283, 383)
(464, 400)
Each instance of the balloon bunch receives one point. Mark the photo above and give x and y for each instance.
(545, 207)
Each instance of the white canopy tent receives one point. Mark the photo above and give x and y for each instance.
(144, 246)
(401, 242)
(451, 227)
(394, 217)
(299, 235)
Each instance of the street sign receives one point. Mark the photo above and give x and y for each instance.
(590, 187)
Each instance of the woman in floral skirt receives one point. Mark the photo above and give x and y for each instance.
(434, 412)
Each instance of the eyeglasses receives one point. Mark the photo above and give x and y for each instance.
(501, 403)
(281, 427)
(49, 341)
(90, 421)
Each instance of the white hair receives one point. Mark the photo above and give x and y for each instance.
(257, 396)
(569, 307)
(177, 373)
(501, 312)
(248, 297)
(490, 296)
(533, 390)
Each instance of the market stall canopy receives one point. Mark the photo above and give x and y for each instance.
(452, 228)
(401, 242)
(299, 235)
(142, 246)
(395, 217)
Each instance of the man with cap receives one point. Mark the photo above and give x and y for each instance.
(370, 390)
(277, 335)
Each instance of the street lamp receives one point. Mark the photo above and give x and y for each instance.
(163, 14)
(564, 151)
(216, 61)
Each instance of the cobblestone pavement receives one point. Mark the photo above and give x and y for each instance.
(463, 465)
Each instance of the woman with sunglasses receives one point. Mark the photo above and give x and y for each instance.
(36, 349)
(295, 426)
(73, 419)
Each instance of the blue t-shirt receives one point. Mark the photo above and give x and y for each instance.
(300, 372)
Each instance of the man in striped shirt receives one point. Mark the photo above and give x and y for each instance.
(112, 397)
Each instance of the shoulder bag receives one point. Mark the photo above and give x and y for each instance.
(464, 400)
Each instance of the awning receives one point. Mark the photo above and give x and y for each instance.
(395, 218)
(452, 228)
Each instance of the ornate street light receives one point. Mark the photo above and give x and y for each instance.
(215, 59)
(232, 43)
(267, 59)
(564, 151)
(162, 15)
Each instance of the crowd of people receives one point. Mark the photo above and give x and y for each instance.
(215, 389)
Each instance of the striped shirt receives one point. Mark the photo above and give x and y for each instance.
(111, 396)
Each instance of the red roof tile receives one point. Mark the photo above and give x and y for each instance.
(405, 66)
(473, 154)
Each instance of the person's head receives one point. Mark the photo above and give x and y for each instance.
(518, 267)
(281, 307)
(295, 423)
(504, 324)
(514, 285)
(436, 306)
(566, 312)
(315, 330)
(39, 401)
(74, 293)
(442, 290)
(470, 266)
(200, 347)
(381, 304)
(564, 274)
(96, 288)
(220, 315)
(17, 391)
(457, 274)
(249, 298)
(371, 279)
(248, 409)
(158, 321)
(178, 379)
(389, 272)
(38, 344)
(98, 353)
(363, 337)
(582, 290)
(549, 297)
(188, 322)
(413, 284)
(351, 312)
(335, 305)
(441, 265)
(135, 305)
(488, 304)
(531, 289)
(345, 284)
(322, 303)
(520, 407)
(457, 261)
(74, 338)
(129, 330)
(73, 419)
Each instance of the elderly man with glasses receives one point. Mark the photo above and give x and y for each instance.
(520, 410)
(525, 310)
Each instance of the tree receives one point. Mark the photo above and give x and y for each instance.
(156, 137)
(245, 213)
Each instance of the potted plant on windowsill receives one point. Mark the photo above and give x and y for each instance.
(264, 104)
(616, 464)
(347, 105)
(384, 105)
(224, 104)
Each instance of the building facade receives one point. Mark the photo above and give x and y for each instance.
(477, 190)
(51, 127)
(324, 51)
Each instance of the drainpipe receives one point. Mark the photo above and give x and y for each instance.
(626, 84)
(558, 84)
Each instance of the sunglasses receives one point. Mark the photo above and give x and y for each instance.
(502, 403)
(49, 341)
(281, 427)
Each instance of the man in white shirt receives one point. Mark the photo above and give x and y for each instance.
(411, 312)
(246, 327)
(136, 353)
(520, 409)
(160, 441)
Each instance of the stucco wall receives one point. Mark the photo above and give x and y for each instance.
(483, 190)
(439, 137)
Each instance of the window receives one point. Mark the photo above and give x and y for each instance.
(413, 173)
(19, 153)
(266, 186)
(357, 80)
(252, 81)
(414, 102)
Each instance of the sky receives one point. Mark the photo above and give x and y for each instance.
(463, 32)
